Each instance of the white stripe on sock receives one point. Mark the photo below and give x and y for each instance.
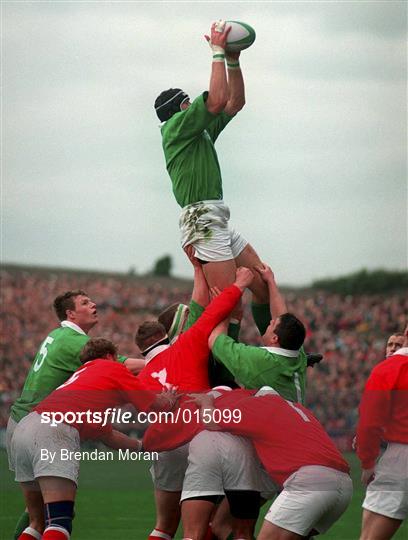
(35, 534)
(160, 534)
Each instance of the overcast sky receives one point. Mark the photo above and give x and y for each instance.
(314, 167)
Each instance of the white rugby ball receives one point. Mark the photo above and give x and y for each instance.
(241, 36)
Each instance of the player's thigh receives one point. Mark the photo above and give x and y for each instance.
(220, 274)
(238, 474)
(195, 517)
(387, 494)
(249, 258)
(167, 510)
(270, 531)
(167, 500)
(169, 468)
(335, 502)
(378, 527)
(54, 489)
(204, 475)
(221, 523)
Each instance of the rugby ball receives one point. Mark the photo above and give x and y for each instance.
(241, 36)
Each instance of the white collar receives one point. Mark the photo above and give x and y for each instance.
(73, 326)
(403, 351)
(282, 352)
(157, 350)
(265, 391)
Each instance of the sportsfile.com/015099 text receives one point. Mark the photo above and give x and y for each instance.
(113, 415)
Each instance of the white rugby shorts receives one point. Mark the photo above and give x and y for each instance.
(314, 497)
(220, 461)
(387, 494)
(30, 441)
(11, 426)
(205, 225)
(169, 469)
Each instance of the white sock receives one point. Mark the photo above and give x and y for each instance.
(32, 532)
(160, 534)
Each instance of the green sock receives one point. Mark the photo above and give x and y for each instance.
(22, 523)
(233, 330)
(262, 316)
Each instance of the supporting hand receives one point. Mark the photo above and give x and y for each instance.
(243, 278)
(265, 272)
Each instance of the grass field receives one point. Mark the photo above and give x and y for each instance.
(115, 501)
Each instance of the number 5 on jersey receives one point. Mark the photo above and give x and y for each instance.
(42, 353)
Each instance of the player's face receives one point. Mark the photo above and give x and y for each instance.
(270, 338)
(393, 344)
(185, 104)
(84, 314)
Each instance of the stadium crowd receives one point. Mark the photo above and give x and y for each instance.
(349, 331)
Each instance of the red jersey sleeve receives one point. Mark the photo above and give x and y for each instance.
(133, 391)
(375, 412)
(184, 424)
(214, 313)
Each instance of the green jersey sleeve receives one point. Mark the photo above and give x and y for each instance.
(195, 312)
(254, 367)
(188, 124)
(218, 124)
(54, 363)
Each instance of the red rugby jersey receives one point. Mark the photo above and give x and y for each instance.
(286, 435)
(185, 363)
(98, 385)
(383, 408)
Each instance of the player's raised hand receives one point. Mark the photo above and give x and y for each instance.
(189, 251)
(219, 35)
(201, 400)
(243, 278)
(265, 272)
(205, 402)
(167, 399)
(214, 292)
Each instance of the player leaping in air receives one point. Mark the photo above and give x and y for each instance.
(189, 132)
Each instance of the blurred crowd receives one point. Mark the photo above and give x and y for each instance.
(350, 332)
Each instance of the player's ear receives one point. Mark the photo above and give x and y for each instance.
(274, 339)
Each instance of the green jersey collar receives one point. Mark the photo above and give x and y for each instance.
(73, 326)
(282, 352)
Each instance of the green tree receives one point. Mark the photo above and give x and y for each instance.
(163, 266)
(366, 282)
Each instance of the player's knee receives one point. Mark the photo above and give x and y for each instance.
(59, 514)
(221, 529)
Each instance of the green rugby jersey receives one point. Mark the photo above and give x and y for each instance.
(54, 363)
(254, 367)
(191, 159)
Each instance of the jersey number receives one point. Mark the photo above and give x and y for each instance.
(42, 353)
